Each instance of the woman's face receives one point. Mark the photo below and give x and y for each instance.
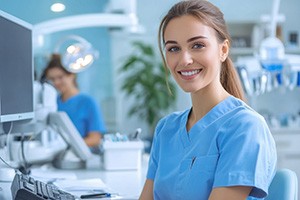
(193, 53)
(60, 79)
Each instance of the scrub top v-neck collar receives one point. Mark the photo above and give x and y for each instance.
(217, 111)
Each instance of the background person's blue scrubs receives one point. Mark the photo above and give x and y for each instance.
(230, 146)
(83, 112)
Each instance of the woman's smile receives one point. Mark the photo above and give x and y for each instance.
(194, 56)
(189, 74)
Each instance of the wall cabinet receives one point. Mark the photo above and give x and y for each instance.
(247, 36)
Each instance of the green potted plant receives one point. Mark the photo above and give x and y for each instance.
(147, 80)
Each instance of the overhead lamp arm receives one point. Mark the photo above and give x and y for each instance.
(83, 21)
(274, 18)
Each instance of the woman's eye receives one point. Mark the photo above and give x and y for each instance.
(173, 49)
(198, 46)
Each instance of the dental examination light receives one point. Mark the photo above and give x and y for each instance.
(77, 56)
(272, 49)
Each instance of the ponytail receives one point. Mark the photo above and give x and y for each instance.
(230, 80)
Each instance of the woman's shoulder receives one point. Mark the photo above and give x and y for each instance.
(248, 114)
(242, 112)
(85, 97)
(244, 120)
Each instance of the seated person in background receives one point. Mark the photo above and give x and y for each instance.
(81, 108)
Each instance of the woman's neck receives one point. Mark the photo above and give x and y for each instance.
(70, 93)
(204, 100)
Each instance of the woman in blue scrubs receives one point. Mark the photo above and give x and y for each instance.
(220, 148)
(82, 109)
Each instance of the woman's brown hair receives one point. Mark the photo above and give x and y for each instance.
(209, 14)
(55, 62)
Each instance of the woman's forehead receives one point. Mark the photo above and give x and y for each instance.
(185, 27)
(56, 70)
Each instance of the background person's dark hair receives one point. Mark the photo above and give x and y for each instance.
(210, 15)
(55, 62)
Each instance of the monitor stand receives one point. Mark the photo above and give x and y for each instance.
(68, 160)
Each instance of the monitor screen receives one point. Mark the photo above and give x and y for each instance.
(16, 69)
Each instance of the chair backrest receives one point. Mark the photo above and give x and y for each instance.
(284, 186)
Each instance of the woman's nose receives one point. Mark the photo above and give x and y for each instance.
(186, 58)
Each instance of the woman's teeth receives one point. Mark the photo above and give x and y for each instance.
(190, 73)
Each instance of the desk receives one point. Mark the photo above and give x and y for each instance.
(127, 183)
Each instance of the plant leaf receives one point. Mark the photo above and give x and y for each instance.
(146, 81)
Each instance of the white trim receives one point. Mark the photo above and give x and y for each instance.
(82, 21)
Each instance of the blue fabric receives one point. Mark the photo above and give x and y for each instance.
(230, 146)
(83, 112)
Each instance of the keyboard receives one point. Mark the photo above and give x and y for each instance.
(25, 187)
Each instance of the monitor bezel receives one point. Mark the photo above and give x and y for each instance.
(21, 115)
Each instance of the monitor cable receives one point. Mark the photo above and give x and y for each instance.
(22, 169)
(25, 169)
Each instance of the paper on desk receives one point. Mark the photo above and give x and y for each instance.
(95, 184)
(51, 176)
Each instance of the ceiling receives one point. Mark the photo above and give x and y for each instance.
(36, 11)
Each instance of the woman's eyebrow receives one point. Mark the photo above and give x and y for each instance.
(189, 40)
(196, 38)
(170, 42)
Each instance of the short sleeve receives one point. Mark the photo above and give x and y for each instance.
(95, 119)
(154, 156)
(247, 155)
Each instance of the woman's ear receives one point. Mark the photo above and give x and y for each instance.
(224, 50)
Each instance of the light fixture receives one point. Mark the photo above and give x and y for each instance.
(271, 50)
(57, 7)
(77, 56)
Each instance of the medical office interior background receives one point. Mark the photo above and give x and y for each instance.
(247, 22)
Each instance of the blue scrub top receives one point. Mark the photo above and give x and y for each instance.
(230, 146)
(83, 112)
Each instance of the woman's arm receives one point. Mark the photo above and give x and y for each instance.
(93, 138)
(230, 193)
(147, 193)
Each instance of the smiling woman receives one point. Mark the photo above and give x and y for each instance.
(220, 148)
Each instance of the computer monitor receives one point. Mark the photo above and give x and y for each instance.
(16, 69)
(16, 78)
(61, 122)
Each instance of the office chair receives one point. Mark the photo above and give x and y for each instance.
(284, 186)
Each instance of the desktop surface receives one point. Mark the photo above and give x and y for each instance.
(127, 183)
